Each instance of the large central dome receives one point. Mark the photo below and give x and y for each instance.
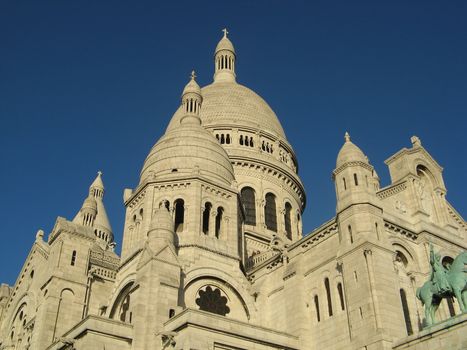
(229, 103)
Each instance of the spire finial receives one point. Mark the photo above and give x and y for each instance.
(99, 173)
(193, 75)
(347, 137)
(225, 32)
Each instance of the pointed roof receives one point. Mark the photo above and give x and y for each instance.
(95, 201)
(97, 183)
(225, 43)
(350, 153)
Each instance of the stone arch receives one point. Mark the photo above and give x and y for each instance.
(121, 308)
(65, 312)
(26, 299)
(409, 253)
(235, 291)
(234, 302)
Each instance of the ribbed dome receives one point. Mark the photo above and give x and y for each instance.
(186, 150)
(350, 153)
(234, 104)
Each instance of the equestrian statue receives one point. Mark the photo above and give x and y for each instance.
(445, 282)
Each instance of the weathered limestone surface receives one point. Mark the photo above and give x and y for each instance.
(450, 334)
(213, 253)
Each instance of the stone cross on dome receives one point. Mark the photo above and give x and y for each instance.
(225, 32)
(193, 75)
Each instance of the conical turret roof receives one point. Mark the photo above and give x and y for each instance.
(350, 153)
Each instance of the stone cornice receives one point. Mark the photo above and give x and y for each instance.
(392, 190)
(182, 181)
(349, 164)
(291, 181)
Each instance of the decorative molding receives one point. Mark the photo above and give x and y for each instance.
(388, 192)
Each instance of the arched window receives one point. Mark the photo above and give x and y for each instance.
(251, 142)
(179, 215)
(350, 233)
(219, 217)
(206, 216)
(318, 318)
(123, 308)
(270, 212)
(227, 139)
(248, 199)
(328, 295)
(405, 309)
(241, 140)
(222, 139)
(355, 179)
(288, 225)
(341, 295)
(73, 258)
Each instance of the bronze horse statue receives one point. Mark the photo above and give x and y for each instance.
(443, 283)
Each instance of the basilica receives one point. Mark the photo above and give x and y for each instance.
(214, 256)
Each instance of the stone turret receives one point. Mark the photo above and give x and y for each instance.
(93, 213)
(224, 60)
(354, 177)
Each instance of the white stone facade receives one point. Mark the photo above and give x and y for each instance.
(213, 253)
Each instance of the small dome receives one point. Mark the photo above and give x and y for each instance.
(224, 44)
(187, 150)
(350, 153)
(192, 86)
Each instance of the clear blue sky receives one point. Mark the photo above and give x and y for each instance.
(91, 85)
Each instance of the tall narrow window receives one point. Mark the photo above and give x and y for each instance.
(405, 309)
(288, 226)
(350, 233)
(341, 295)
(248, 200)
(219, 217)
(328, 295)
(343, 182)
(179, 215)
(355, 179)
(377, 230)
(318, 318)
(73, 258)
(241, 140)
(206, 216)
(270, 212)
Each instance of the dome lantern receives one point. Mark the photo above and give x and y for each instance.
(224, 60)
(191, 102)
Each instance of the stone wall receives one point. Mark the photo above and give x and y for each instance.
(450, 334)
